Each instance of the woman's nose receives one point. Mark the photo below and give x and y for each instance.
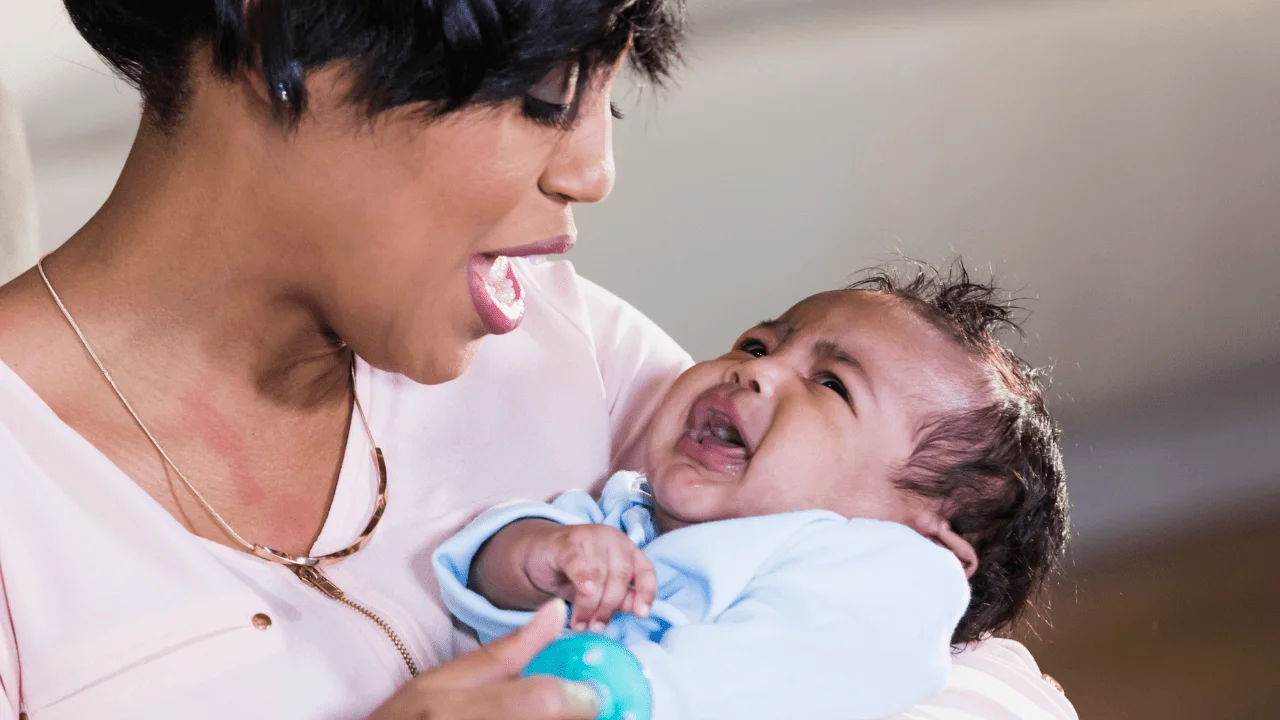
(581, 169)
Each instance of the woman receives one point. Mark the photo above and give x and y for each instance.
(195, 520)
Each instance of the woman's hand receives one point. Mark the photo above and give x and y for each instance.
(595, 567)
(484, 684)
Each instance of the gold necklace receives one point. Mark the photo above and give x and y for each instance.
(300, 564)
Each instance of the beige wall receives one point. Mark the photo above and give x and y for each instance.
(19, 241)
(1118, 158)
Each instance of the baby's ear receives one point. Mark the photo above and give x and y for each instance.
(936, 527)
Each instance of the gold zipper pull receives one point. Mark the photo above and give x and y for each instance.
(317, 580)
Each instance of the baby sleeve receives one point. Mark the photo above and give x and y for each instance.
(850, 620)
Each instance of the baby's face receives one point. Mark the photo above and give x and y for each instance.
(816, 410)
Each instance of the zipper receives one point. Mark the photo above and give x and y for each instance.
(316, 579)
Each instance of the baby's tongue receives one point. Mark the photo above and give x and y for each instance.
(730, 449)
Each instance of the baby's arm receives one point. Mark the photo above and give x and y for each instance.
(592, 566)
(853, 620)
(512, 557)
(498, 570)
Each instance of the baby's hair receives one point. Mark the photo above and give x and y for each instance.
(998, 468)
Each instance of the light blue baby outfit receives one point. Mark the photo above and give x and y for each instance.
(795, 616)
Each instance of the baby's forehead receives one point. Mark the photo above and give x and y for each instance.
(893, 340)
(838, 311)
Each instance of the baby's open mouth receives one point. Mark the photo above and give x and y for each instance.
(714, 436)
(719, 429)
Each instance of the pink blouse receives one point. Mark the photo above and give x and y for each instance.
(110, 609)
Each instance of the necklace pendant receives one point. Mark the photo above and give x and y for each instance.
(317, 580)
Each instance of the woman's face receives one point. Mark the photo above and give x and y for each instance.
(398, 229)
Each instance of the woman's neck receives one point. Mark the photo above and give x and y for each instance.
(180, 271)
(201, 302)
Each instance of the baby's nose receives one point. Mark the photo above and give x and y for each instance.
(741, 379)
(763, 375)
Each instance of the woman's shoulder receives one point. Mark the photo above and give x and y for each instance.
(21, 411)
(998, 679)
(555, 286)
(622, 337)
(635, 360)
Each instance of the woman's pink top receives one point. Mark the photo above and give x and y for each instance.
(110, 609)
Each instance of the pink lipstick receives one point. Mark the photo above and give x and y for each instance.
(495, 290)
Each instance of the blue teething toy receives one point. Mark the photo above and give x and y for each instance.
(607, 666)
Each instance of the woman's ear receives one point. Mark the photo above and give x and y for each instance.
(938, 529)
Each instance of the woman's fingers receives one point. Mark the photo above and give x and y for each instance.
(505, 657)
(482, 684)
(534, 698)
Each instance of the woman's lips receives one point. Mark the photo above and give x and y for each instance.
(552, 246)
(495, 289)
(496, 293)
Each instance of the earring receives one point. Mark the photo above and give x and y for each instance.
(284, 94)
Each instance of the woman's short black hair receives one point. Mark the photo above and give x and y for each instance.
(997, 469)
(439, 54)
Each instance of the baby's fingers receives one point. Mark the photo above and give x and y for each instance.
(646, 585)
(616, 586)
(587, 575)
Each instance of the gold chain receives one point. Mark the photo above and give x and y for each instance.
(262, 551)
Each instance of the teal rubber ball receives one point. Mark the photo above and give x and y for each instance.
(604, 664)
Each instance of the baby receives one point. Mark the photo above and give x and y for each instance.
(827, 508)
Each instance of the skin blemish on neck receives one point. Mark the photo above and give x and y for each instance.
(221, 436)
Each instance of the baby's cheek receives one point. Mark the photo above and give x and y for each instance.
(818, 473)
(660, 443)
(672, 414)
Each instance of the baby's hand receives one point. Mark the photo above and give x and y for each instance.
(596, 568)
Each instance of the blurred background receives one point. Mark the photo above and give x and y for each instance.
(1117, 162)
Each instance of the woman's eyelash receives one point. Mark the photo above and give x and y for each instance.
(753, 347)
(553, 115)
(556, 115)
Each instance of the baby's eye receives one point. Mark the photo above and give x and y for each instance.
(753, 347)
(832, 382)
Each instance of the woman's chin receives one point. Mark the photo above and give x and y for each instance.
(441, 367)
